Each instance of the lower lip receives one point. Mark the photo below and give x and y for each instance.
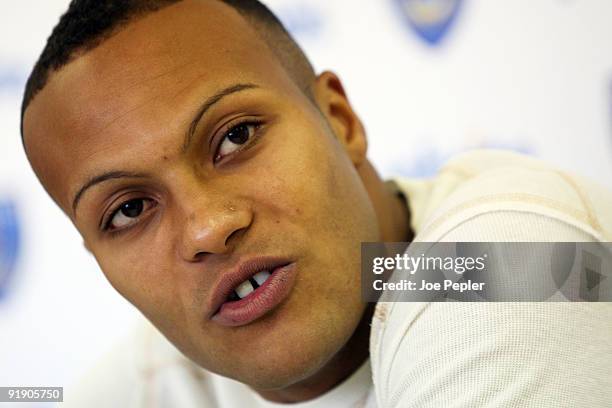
(260, 301)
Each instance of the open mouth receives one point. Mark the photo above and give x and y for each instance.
(252, 290)
(249, 286)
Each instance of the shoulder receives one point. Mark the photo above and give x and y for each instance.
(498, 354)
(502, 354)
(481, 182)
(495, 354)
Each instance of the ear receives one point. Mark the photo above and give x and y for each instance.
(344, 122)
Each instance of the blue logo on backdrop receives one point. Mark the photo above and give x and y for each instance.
(430, 19)
(9, 243)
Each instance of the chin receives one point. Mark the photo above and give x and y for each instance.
(281, 350)
(280, 376)
(279, 366)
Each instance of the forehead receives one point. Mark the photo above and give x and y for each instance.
(146, 79)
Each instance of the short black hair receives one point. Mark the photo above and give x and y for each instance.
(88, 23)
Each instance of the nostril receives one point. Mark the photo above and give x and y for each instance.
(233, 236)
(199, 255)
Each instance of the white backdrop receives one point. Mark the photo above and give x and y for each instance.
(533, 76)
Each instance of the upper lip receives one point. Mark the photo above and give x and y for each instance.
(230, 279)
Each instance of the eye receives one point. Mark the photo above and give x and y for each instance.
(235, 138)
(128, 213)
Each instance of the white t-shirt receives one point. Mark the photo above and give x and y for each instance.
(432, 354)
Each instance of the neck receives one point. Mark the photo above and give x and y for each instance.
(340, 367)
(390, 207)
(394, 217)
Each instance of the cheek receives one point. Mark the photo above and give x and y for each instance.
(146, 278)
(330, 197)
(142, 274)
(319, 207)
(305, 177)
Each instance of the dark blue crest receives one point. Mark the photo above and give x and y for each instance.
(9, 243)
(430, 19)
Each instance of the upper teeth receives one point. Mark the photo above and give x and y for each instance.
(249, 285)
(261, 277)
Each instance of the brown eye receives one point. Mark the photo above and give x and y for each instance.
(235, 137)
(128, 213)
(239, 134)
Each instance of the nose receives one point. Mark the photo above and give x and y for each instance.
(212, 227)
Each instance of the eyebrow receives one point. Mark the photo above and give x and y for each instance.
(208, 103)
(110, 175)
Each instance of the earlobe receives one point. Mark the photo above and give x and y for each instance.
(345, 123)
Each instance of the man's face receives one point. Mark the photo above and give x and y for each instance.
(262, 175)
